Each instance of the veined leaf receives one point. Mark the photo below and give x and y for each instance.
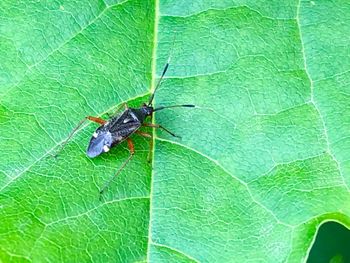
(263, 160)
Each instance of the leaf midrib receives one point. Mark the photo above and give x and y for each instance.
(153, 85)
(154, 138)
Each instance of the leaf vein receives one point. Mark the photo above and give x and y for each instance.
(175, 250)
(227, 9)
(313, 101)
(269, 211)
(87, 212)
(62, 45)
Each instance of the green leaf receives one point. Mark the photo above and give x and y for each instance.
(263, 160)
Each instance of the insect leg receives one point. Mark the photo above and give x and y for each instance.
(132, 152)
(96, 119)
(91, 118)
(149, 136)
(160, 127)
(149, 157)
(144, 134)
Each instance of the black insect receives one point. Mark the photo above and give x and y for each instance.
(120, 127)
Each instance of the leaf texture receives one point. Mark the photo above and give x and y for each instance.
(263, 160)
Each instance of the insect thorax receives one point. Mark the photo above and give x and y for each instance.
(142, 113)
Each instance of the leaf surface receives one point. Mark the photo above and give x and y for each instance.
(263, 160)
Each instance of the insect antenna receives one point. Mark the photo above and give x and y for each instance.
(175, 106)
(163, 73)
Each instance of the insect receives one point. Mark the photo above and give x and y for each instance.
(120, 127)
